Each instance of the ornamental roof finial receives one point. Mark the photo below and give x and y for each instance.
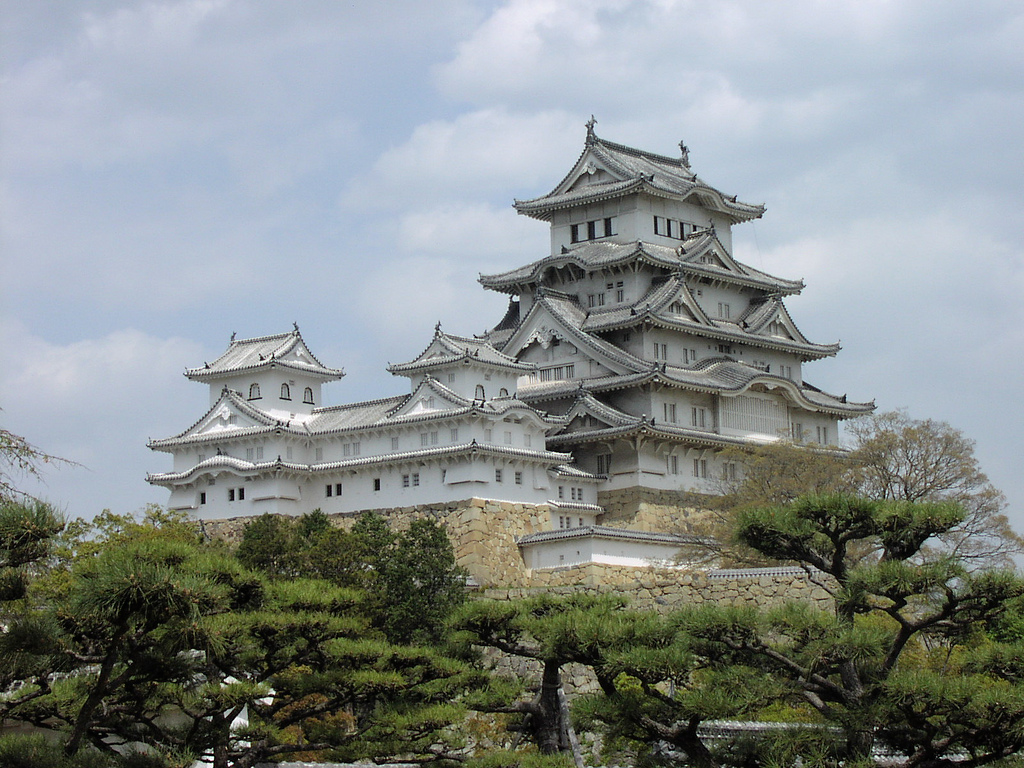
(590, 129)
(685, 159)
(437, 328)
(232, 335)
(295, 326)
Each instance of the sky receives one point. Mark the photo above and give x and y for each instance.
(173, 171)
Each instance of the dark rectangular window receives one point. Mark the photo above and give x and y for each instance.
(329, 490)
(231, 494)
(376, 483)
(202, 497)
(241, 494)
(337, 489)
(591, 230)
(574, 231)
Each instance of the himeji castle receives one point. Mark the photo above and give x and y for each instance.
(629, 358)
(653, 343)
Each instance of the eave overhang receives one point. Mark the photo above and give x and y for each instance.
(244, 468)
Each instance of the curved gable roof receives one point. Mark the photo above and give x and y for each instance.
(632, 170)
(249, 355)
(445, 350)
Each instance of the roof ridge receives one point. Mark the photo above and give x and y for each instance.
(347, 406)
(615, 146)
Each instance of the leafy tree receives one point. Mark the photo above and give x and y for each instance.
(918, 652)
(308, 546)
(891, 456)
(865, 667)
(410, 579)
(148, 637)
(907, 459)
(552, 632)
(27, 528)
(418, 584)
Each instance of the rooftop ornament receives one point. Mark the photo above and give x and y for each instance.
(685, 151)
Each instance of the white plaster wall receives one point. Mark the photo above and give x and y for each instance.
(567, 552)
(270, 389)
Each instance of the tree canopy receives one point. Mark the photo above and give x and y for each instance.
(144, 636)
(891, 456)
(905, 660)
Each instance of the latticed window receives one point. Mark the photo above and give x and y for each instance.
(254, 391)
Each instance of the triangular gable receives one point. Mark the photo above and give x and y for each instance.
(773, 321)
(679, 304)
(445, 349)
(588, 170)
(228, 415)
(297, 352)
(430, 396)
(542, 323)
(589, 413)
(708, 251)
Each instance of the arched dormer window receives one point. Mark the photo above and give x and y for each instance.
(254, 391)
(502, 392)
(307, 395)
(286, 392)
(479, 392)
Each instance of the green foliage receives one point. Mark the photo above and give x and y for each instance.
(892, 458)
(409, 579)
(21, 751)
(417, 584)
(919, 650)
(552, 630)
(519, 759)
(27, 528)
(151, 636)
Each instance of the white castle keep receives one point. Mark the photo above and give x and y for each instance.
(628, 358)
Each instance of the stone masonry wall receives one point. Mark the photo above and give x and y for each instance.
(484, 534)
(650, 509)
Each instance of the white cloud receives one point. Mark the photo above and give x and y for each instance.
(95, 402)
(474, 235)
(478, 154)
(406, 296)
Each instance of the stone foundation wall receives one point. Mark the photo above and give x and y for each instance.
(484, 534)
(649, 509)
(664, 590)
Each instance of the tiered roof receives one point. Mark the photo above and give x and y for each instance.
(285, 350)
(633, 171)
(686, 259)
(617, 423)
(446, 350)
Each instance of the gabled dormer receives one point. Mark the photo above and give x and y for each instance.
(230, 417)
(468, 367)
(620, 194)
(275, 373)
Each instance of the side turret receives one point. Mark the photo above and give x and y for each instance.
(278, 374)
(469, 367)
